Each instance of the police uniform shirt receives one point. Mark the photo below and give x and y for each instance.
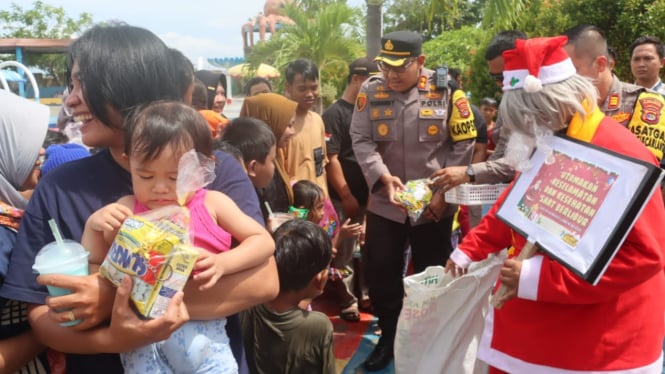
(409, 135)
(642, 111)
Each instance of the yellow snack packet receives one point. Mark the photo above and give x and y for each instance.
(415, 196)
(154, 250)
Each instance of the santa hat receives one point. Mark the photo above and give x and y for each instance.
(536, 62)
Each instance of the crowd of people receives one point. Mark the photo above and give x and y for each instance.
(247, 307)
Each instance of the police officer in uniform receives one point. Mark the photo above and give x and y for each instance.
(641, 110)
(404, 127)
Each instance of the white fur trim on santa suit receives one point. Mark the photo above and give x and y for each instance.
(460, 259)
(529, 277)
(515, 79)
(514, 365)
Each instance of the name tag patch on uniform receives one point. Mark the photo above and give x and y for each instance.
(613, 102)
(361, 101)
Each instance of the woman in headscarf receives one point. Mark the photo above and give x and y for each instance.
(23, 126)
(278, 113)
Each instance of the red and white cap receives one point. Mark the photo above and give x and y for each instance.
(536, 62)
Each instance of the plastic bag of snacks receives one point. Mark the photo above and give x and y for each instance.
(415, 196)
(154, 247)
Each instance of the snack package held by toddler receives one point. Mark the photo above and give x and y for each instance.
(415, 196)
(155, 248)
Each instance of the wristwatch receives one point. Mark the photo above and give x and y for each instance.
(471, 174)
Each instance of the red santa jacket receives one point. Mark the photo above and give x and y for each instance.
(560, 321)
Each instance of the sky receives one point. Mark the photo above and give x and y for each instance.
(201, 29)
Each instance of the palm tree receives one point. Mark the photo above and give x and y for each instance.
(501, 14)
(329, 37)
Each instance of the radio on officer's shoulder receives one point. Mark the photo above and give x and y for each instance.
(441, 78)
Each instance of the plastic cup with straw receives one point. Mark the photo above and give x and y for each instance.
(63, 256)
(276, 219)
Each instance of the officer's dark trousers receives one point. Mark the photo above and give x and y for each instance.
(385, 245)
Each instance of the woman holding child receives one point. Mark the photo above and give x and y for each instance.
(113, 70)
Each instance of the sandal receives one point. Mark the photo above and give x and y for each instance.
(350, 314)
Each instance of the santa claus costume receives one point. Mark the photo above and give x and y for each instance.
(559, 323)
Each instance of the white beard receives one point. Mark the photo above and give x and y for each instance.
(522, 144)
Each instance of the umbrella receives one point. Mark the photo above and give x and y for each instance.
(244, 71)
(11, 76)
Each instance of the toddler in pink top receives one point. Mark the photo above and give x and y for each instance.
(156, 138)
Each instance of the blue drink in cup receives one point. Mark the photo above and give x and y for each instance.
(62, 257)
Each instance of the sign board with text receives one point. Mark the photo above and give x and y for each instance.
(578, 202)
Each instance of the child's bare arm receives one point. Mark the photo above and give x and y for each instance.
(256, 244)
(347, 230)
(100, 229)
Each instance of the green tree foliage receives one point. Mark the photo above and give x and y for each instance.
(463, 49)
(622, 20)
(330, 37)
(42, 21)
(428, 17)
(470, 13)
(501, 14)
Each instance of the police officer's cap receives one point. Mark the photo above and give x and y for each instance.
(397, 46)
(363, 66)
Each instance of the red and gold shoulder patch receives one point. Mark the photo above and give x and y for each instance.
(613, 101)
(361, 101)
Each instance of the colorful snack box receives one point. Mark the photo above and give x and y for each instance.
(158, 258)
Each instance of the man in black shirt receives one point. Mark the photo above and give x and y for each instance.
(346, 184)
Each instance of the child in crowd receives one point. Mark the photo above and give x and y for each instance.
(257, 85)
(308, 203)
(156, 137)
(489, 107)
(257, 144)
(280, 337)
(278, 113)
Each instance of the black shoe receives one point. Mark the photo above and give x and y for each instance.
(380, 356)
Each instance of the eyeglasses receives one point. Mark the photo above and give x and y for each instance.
(497, 77)
(385, 68)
